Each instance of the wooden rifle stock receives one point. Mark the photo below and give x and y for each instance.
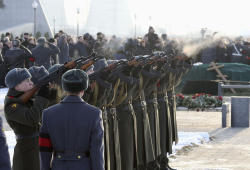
(27, 95)
(85, 66)
(70, 64)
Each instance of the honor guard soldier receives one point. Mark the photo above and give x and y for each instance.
(4, 154)
(71, 136)
(24, 118)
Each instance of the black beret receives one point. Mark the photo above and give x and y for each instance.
(16, 76)
(75, 80)
(37, 73)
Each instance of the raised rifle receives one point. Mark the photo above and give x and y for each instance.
(57, 73)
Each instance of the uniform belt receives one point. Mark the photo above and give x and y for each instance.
(18, 137)
(139, 103)
(161, 94)
(154, 100)
(70, 155)
(163, 99)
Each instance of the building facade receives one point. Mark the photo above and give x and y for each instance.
(17, 17)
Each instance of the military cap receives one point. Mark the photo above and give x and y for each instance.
(75, 80)
(100, 64)
(16, 76)
(37, 73)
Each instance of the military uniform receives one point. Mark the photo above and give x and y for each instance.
(4, 154)
(72, 131)
(24, 119)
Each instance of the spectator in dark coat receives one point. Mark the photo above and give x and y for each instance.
(2, 67)
(55, 56)
(142, 49)
(64, 49)
(18, 56)
(6, 45)
(25, 42)
(72, 48)
(100, 45)
(43, 52)
(1, 57)
(89, 41)
(81, 47)
(153, 39)
(32, 43)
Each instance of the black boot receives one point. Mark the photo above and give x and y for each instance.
(153, 166)
(169, 168)
(164, 163)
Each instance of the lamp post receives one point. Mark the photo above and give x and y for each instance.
(54, 21)
(78, 13)
(150, 19)
(135, 25)
(34, 6)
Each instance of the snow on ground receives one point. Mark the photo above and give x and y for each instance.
(190, 138)
(3, 92)
(11, 141)
(185, 139)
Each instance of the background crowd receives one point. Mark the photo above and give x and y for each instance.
(26, 50)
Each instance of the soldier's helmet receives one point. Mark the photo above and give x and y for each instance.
(16, 76)
(37, 73)
(75, 80)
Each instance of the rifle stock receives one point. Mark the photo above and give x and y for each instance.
(87, 65)
(45, 80)
(27, 95)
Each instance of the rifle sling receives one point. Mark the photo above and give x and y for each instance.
(114, 92)
(116, 138)
(106, 130)
(157, 126)
(131, 109)
(123, 93)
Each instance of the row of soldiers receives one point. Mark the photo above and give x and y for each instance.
(138, 103)
(139, 109)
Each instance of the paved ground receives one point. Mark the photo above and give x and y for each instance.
(229, 148)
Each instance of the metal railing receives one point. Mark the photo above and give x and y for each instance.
(222, 86)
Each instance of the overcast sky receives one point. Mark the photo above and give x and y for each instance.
(180, 16)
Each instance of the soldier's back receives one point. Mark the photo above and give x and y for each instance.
(69, 125)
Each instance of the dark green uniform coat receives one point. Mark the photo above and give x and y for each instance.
(24, 119)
